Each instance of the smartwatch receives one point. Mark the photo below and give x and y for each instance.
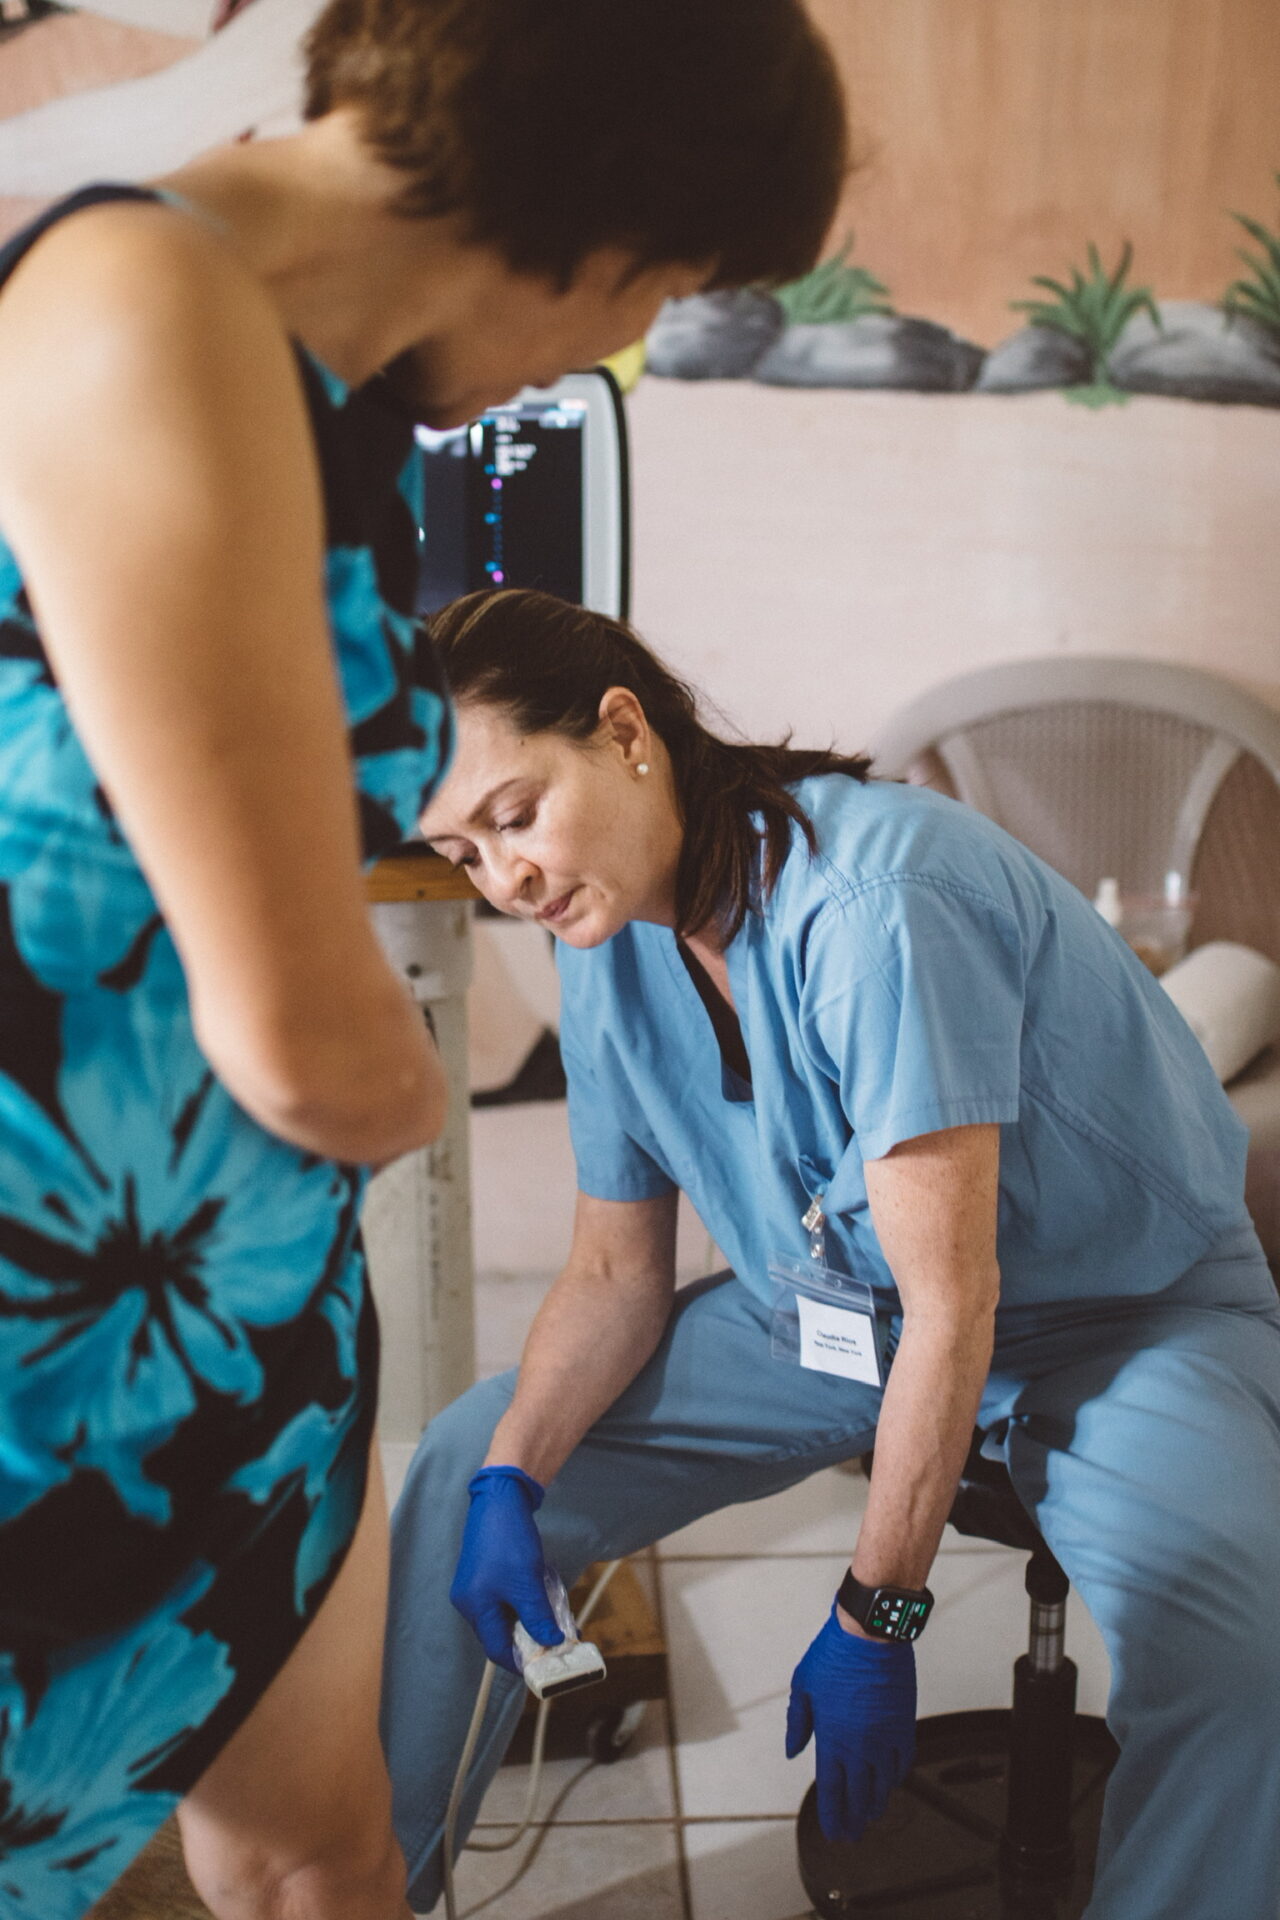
(887, 1613)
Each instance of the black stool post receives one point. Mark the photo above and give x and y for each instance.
(1037, 1842)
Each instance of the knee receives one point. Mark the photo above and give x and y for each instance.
(353, 1874)
(363, 1883)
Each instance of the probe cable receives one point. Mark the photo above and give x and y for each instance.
(535, 1761)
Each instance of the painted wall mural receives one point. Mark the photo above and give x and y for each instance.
(1029, 404)
(914, 461)
(1089, 331)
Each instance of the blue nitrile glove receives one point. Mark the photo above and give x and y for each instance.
(859, 1697)
(501, 1575)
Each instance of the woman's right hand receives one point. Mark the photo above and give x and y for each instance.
(159, 487)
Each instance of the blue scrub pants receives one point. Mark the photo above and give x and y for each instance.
(1143, 1432)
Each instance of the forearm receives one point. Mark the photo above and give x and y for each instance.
(923, 1434)
(934, 1203)
(590, 1340)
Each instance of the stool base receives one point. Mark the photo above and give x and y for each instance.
(936, 1853)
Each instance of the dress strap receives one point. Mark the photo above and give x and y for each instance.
(180, 204)
(20, 244)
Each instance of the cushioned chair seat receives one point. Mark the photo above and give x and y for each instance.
(1255, 1095)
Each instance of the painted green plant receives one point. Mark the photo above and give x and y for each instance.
(834, 290)
(1095, 310)
(1257, 294)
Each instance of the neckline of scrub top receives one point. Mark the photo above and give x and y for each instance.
(733, 1088)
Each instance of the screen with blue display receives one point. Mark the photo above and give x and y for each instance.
(504, 503)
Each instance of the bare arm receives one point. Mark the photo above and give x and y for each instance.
(933, 1203)
(596, 1329)
(158, 485)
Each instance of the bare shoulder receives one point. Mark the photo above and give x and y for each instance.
(130, 275)
(127, 300)
(144, 367)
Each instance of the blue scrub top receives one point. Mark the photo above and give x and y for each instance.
(924, 970)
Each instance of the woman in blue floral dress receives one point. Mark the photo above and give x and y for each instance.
(209, 513)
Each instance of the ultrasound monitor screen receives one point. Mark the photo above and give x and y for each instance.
(504, 503)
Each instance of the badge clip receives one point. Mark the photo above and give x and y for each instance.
(814, 1222)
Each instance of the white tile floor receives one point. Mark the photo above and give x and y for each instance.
(695, 1822)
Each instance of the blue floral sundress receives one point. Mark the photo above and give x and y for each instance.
(188, 1349)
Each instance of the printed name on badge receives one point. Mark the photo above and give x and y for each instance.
(834, 1340)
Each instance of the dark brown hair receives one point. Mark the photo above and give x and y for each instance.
(680, 130)
(548, 665)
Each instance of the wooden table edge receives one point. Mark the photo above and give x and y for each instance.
(412, 876)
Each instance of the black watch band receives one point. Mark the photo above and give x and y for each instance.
(887, 1613)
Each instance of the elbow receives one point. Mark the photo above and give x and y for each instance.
(368, 1120)
(960, 1314)
(364, 1094)
(339, 1126)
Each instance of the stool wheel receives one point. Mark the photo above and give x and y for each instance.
(612, 1731)
(937, 1850)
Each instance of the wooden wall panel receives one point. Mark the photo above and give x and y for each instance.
(999, 135)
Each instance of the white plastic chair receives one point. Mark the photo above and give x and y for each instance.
(1132, 768)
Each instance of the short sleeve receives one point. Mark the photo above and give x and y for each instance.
(611, 1163)
(913, 999)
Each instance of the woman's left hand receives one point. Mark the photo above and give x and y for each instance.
(858, 1696)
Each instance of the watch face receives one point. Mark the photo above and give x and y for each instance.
(898, 1615)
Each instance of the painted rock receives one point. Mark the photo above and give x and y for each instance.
(713, 336)
(876, 350)
(1033, 358)
(1199, 354)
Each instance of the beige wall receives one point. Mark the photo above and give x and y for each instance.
(66, 54)
(817, 559)
(1000, 135)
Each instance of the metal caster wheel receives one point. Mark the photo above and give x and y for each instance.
(611, 1732)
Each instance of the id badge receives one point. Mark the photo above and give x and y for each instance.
(824, 1320)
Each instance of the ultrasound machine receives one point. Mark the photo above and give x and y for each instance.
(533, 494)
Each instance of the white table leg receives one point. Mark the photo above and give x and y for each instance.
(417, 1217)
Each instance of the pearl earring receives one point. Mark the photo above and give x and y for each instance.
(642, 766)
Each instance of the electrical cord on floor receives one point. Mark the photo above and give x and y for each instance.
(535, 1761)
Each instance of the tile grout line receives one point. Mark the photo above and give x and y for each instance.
(651, 1820)
(738, 1819)
(673, 1741)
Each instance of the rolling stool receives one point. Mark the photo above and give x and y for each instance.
(999, 1817)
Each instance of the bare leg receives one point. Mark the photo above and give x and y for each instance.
(293, 1819)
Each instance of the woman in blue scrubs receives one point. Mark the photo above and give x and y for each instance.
(857, 1021)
